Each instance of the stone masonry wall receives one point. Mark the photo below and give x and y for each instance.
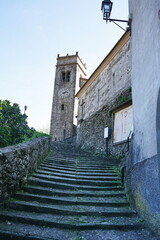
(16, 162)
(110, 89)
(91, 131)
(110, 83)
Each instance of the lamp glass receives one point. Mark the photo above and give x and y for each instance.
(106, 8)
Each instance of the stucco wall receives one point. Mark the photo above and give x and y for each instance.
(100, 98)
(143, 173)
(16, 162)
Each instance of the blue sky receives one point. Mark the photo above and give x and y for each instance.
(33, 32)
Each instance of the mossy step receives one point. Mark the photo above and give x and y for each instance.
(35, 206)
(80, 163)
(102, 173)
(62, 222)
(64, 192)
(115, 198)
(76, 166)
(21, 231)
(96, 160)
(80, 166)
(81, 177)
(73, 170)
(53, 184)
(73, 155)
(6, 235)
(72, 201)
(61, 163)
(109, 182)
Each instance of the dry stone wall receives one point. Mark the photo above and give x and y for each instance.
(16, 162)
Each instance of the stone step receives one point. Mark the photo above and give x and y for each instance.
(20, 231)
(81, 155)
(80, 163)
(83, 177)
(72, 200)
(57, 185)
(102, 173)
(66, 193)
(64, 169)
(80, 168)
(82, 158)
(78, 210)
(109, 182)
(70, 222)
(67, 198)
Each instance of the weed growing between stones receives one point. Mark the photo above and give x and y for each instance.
(140, 220)
(77, 238)
(76, 163)
(116, 170)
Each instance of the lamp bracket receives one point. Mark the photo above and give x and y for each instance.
(116, 20)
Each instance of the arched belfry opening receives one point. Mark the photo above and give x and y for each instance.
(158, 132)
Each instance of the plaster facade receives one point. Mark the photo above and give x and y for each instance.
(99, 98)
(143, 168)
(69, 71)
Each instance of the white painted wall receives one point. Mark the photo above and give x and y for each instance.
(145, 48)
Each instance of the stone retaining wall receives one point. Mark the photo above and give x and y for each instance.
(16, 162)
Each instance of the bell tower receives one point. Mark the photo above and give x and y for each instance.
(69, 70)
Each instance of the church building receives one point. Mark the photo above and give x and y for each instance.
(105, 104)
(97, 110)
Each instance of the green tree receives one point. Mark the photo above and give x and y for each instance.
(13, 124)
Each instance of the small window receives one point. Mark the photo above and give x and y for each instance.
(62, 107)
(68, 76)
(98, 95)
(63, 76)
(113, 79)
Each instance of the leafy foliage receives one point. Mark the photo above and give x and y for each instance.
(35, 135)
(13, 124)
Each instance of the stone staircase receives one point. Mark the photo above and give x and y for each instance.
(72, 196)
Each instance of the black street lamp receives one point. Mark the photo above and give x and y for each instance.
(106, 10)
(25, 108)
